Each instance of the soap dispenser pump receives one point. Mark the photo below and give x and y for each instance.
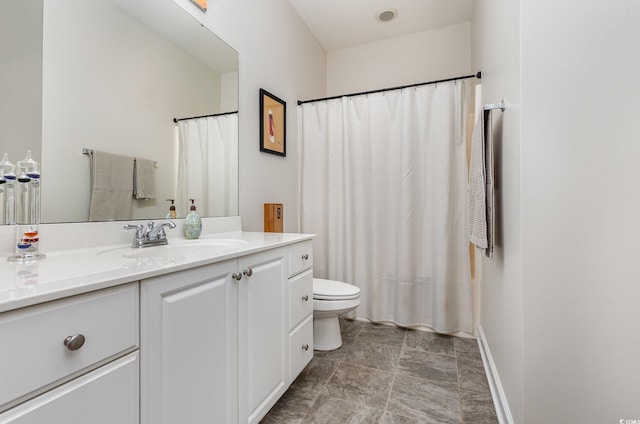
(192, 223)
(172, 214)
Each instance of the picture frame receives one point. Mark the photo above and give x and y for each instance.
(273, 124)
(202, 4)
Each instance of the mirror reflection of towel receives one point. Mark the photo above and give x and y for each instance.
(144, 179)
(111, 187)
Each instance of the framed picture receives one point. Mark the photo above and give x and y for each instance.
(273, 134)
(202, 4)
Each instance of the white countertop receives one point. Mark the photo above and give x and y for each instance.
(71, 272)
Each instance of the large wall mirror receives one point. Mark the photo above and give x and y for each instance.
(111, 76)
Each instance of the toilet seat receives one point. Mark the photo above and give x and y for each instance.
(334, 290)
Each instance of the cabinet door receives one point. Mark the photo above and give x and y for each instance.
(263, 322)
(189, 347)
(107, 395)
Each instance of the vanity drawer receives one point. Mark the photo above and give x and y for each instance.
(34, 356)
(300, 297)
(107, 395)
(300, 257)
(300, 347)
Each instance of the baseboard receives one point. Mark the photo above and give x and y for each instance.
(497, 392)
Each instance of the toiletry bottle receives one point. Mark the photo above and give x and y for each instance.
(192, 223)
(27, 211)
(172, 214)
(8, 175)
(3, 194)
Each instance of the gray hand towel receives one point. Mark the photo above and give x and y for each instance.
(111, 187)
(144, 179)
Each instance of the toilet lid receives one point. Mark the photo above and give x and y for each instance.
(334, 290)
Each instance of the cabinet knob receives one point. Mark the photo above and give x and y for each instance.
(305, 256)
(74, 342)
(248, 272)
(305, 347)
(305, 298)
(236, 276)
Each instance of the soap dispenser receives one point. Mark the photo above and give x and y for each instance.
(192, 223)
(172, 214)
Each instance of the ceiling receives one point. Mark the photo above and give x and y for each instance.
(344, 23)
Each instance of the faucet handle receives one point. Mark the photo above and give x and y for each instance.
(158, 233)
(138, 239)
(138, 227)
(161, 234)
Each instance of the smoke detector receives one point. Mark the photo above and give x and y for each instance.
(386, 15)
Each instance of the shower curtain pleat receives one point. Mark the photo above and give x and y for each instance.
(208, 165)
(383, 185)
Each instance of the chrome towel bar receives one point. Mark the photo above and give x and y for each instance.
(492, 106)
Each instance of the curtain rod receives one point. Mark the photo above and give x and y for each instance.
(204, 116)
(476, 75)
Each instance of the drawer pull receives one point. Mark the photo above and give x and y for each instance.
(248, 272)
(74, 342)
(305, 298)
(236, 276)
(305, 256)
(305, 347)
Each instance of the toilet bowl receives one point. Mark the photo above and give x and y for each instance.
(330, 299)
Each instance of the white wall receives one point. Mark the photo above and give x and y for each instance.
(560, 301)
(20, 78)
(580, 206)
(424, 56)
(279, 54)
(89, 104)
(495, 35)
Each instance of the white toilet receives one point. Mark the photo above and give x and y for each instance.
(330, 299)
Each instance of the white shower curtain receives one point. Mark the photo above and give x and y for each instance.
(383, 183)
(208, 165)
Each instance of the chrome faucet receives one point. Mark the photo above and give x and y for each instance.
(151, 235)
(157, 232)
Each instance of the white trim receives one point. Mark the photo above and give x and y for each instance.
(497, 392)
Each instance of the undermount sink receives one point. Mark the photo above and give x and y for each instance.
(177, 248)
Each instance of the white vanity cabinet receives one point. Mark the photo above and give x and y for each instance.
(73, 360)
(300, 301)
(213, 341)
(189, 346)
(207, 339)
(262, 320)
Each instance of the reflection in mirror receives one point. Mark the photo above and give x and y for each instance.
(115, 73)
(20, 78)
(206, 145)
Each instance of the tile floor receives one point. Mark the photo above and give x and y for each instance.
(390, 375)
